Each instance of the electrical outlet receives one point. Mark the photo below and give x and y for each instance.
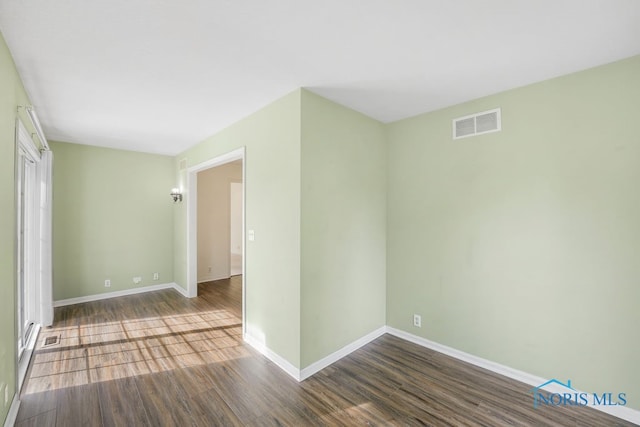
(156, 276)
(137, 280)
(209, 269)
(417, 320)
(107, 283)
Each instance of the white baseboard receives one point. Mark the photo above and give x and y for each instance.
(10, 421)
(212, 279)
(107, 295)
(302, 374)
(281, 362)
(181, 290)
(344, 351)
(623, 412)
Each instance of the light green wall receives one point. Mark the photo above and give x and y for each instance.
(272, 204)
(112, 219)
(294, 266)
(523, 246)
(343, 215)
(12, 95)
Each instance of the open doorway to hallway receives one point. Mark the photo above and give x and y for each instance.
(219, 222)
(215, 225)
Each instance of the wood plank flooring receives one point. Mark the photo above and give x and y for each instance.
(159, 359)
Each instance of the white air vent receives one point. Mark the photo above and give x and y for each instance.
(477, 124)
(183, 164)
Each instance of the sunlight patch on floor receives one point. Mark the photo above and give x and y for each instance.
(105, 351)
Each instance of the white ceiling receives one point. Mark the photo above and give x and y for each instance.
(161, 75)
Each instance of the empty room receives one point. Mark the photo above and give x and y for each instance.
(302, 213)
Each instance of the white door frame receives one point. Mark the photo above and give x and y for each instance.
(32, 262)
(192, 221)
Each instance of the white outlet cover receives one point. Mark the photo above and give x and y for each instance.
(417, 320)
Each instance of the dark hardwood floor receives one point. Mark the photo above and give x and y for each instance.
(159, 359)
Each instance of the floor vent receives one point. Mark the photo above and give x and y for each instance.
(48, 341)
(477, 124)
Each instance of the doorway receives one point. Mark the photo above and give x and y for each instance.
(216, 216)
(34, 305)
(26, 247)
(192, 222)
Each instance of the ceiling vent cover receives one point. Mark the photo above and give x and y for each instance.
(477, 124)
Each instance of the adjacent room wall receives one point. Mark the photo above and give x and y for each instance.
(214, 222)
(343, 215)
(272, 196)
(112, 219)
(12, 94)
(523, 246)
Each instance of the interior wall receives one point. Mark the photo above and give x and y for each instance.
(271, 138)
(523, 246)
(12, 94)
(214, 220)
(343, 220)
(112, 219)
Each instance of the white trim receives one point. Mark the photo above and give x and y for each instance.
(213, 279)
(25, 358)
(303, 374)
(115, 294)
(26, 142)
(10, 421)
(244, 242)
(31, 249)
(182, 291)
(623, 412)
(192, 223)
(281, 362)
(344, 351)
(629, 414)
(45, 179)
(469, 358)
(37, 126)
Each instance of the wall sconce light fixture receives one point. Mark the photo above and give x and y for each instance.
(176, 194)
